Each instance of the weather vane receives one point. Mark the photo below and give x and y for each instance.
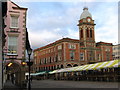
(85, 3)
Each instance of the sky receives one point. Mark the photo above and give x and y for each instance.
(51, 20)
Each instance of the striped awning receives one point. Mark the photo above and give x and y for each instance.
(111, 64)
(69, 69)
(108, 64)
(88, 67)
(117, 64)
(61, 70)
(73, 68)
(52, 72)
(80, 68)
(40, 73)
(35, 74)
(96, 66)
(101, 65)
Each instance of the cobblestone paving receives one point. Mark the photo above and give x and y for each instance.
(73, 84)
(9, 86)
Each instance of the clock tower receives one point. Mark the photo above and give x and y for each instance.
(87, 36)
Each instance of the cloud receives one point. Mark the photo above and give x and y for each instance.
(73, 34)
(65, 0)
(50, 21)
(108, 33)
(51, 27)
(43, 37)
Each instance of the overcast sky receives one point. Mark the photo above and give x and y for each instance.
(51, 21)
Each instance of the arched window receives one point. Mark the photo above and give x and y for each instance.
(52, 68)
(75, 65)
(69, 65)
(91, 33)
(61, 66)
(87, 31)
(81, 33)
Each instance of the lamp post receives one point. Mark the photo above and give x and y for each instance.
(29, 64)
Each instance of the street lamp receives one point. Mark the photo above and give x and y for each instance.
(29, 51)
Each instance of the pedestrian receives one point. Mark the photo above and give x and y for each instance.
(31, 78)
(27, 77)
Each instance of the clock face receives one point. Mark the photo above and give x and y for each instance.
(88, 19)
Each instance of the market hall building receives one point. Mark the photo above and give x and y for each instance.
(69, 52)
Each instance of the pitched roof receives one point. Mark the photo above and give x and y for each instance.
(103, 43)
(59, 41)
(18, 7)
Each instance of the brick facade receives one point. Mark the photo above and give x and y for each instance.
(68, 52)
